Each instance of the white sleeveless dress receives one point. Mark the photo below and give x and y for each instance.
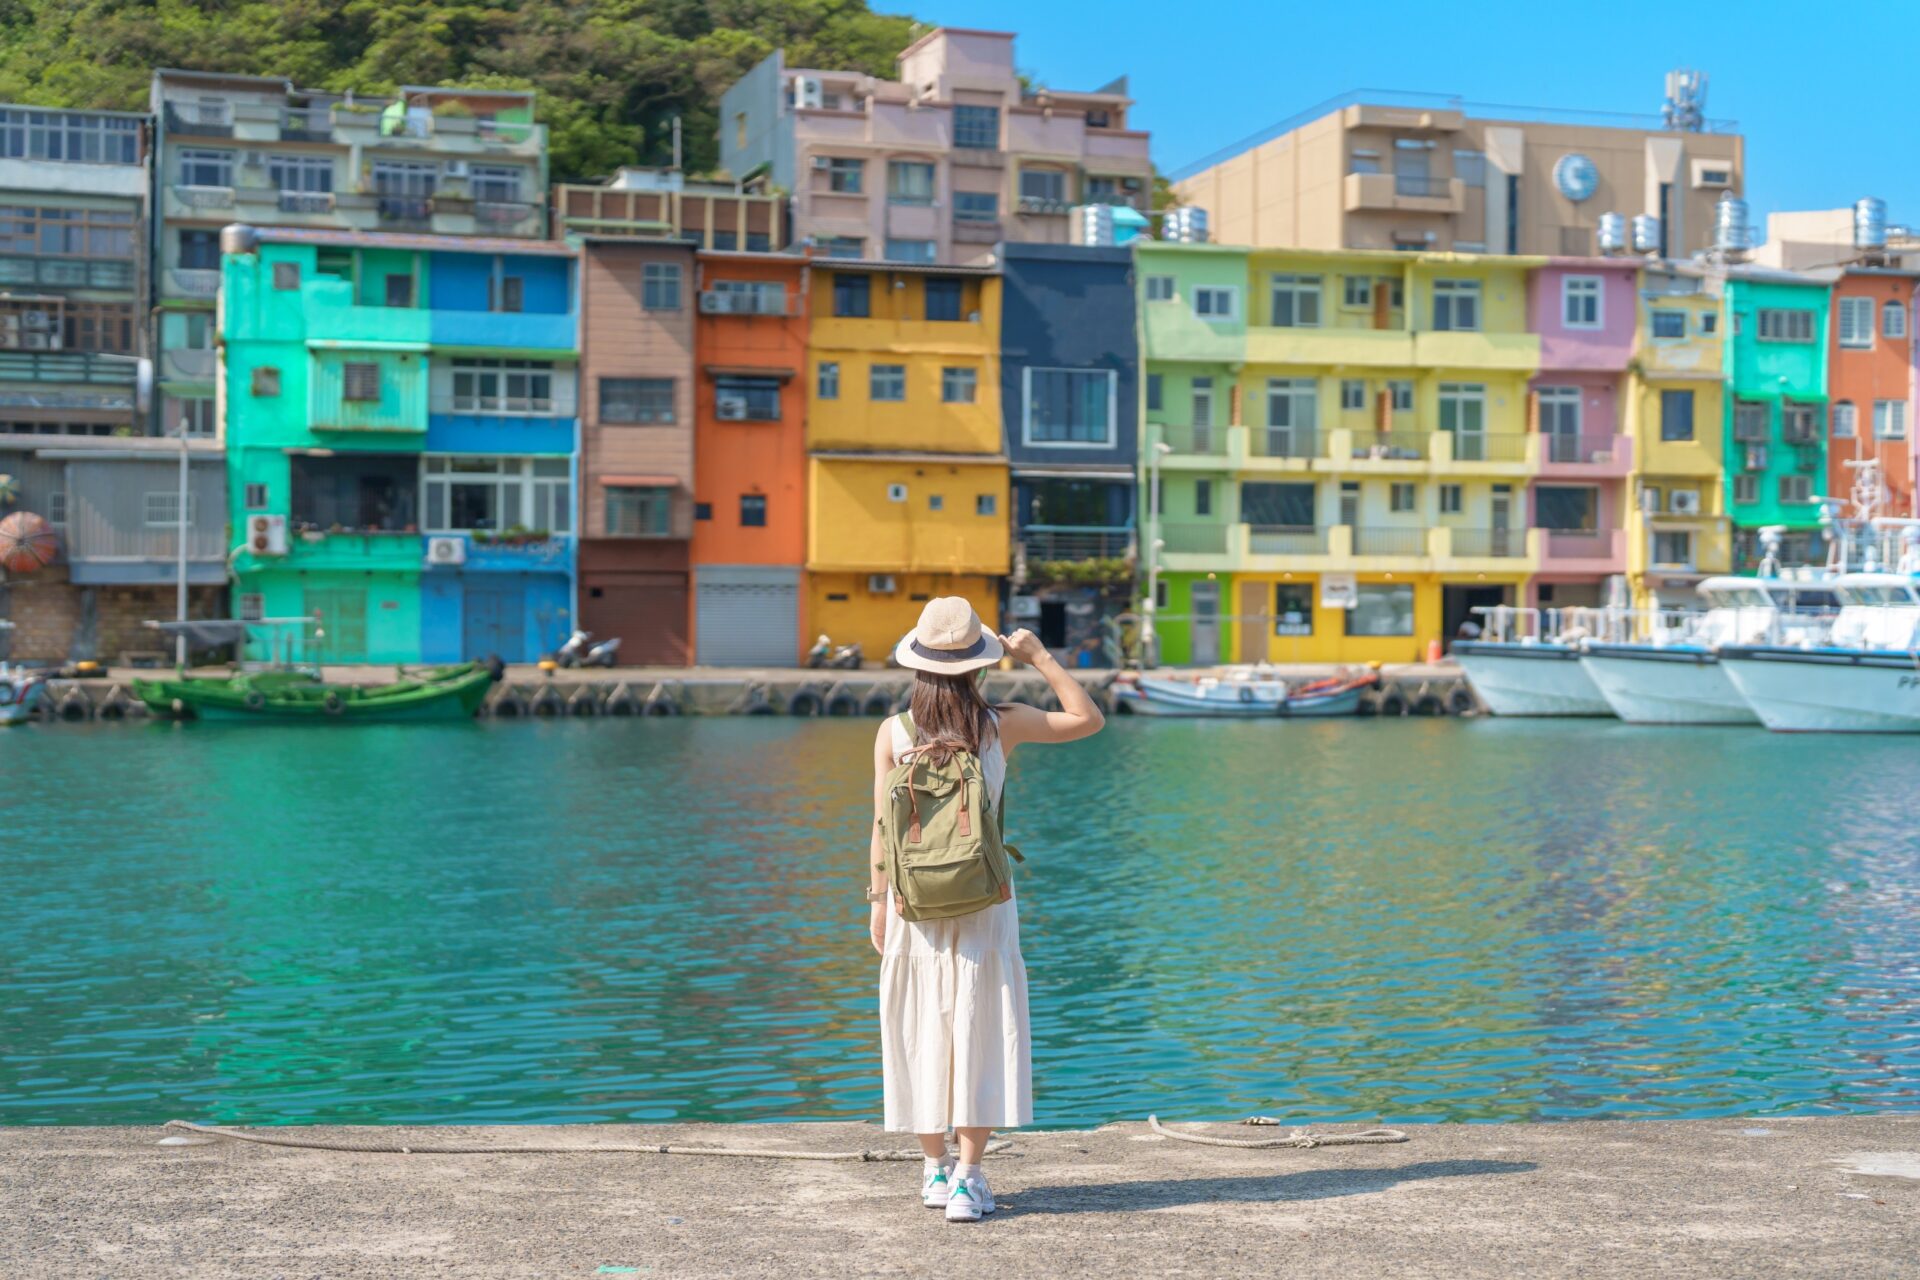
(954, 1044)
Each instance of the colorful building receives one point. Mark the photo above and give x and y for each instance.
(401, 431)
(939, 165)
(1775, 395)
(1873, 377)
(1676, 522)
(1070, 397)
(665, 204)
(907, 483)
(1341, 446)
(750, 459)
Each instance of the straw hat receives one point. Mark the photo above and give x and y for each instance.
(948, 640)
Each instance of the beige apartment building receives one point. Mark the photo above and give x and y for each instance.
(1406, 177)
(938, 165)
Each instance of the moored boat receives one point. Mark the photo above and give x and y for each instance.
(1519, 672)
(1242, 694)
(20, 694)
(441, 693)
(1864, 677)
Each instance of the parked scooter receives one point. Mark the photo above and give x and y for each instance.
(579, 651)
(826, 654)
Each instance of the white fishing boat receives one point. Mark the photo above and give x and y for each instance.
(1863, 677)
(20, 690)
(1519, 671)
(1235, 694)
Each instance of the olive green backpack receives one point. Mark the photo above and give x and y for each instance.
(941, 832)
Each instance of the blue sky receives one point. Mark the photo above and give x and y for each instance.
(1206, 73)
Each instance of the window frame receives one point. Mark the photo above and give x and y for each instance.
(1583, 290)
(968, 133)
(1896, 331)
(1159, 288)
(1110, 437)
(1457, 293)
(846, 175)
(1895, 413)
(662, 286)
(617, 499)
(893, 373)
(1844, 421)
(959, 384)
(826, 380)
(961, 212)
(1784, 324)
(500, 403)
(1299, 291)
(1212, 292)
(1674, 317)
(1855, 323)
(1692, 406)
(637, 391)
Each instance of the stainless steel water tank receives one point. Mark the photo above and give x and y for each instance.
(1612, 234)
(1730, 232)
(1646, 233)
(1870, 224)
(1185, 225)
(238, 237)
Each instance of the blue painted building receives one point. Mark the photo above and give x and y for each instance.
(1070, 400)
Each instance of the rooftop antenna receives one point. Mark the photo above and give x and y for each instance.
(1685, 110)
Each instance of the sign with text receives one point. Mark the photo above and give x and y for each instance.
(1338, 591)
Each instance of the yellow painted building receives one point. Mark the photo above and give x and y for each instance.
(1677, 530)
(907, 476)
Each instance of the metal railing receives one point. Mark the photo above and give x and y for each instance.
(192, 362)
(1580, 544)
(303, 124)
(502, 213)
(194, 282)
(405, 209)
(1390, 446)
(306, 202)
(1076, 542)
(1490, 544)
(1192, 439)
(1286, 540)
(72, 273)
(200, 119)
(1284, 442)
(1569, 448)
(1420, 184)
(65, 366)
(195, 197)
(1489, 446)
(1194, 538)
(556, 406)
(1389, 542)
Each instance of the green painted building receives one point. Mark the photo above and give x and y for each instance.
(1775, 389)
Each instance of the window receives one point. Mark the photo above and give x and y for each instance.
(1071, 406)
(887, 382)
(1709, 321)
(852, 296)
(1470, 167)
(1716, 177)
(986, 504)
(1213, 302)
(502, 386)
(975, 206)
(1676, 415)
(1799, 423)
(507, 294)
(944, 296)
(194, 417)
(1846, 425)
(1202, 402)
(256, 497)
(1153, 393)
(751, 297)
(957, 386)
(199, 249)
(703, 511)
(1890, 419)
(753, 511)
(360, 380)
(660, 286)
(406, 180)
(1456, 305)
(638, 402)
(202, 168)
(1353, 393)
(827, 380)
(1560, 415)
(494, 183)
(1159, 288)
(1463, 411)
(1668, 323)
(1296, 302)
(977, 128)
(637, 512)
(1746, 488)
(1381, 609)
(1673, 547)
(1796, 488)
(1046, 186)
(78, 233)
(1161, 595)
(896, 493)
(469, 494)
(75, 137)
(108, 326)
(1781, 324)
(1293, 414)
(1364, 161)
(303, 178)
(163, 508)
(1580, 302)
(286, 275)
(846, 175)
(1856, 322)
(1282, 505)
(1400, 497)
(1357, 291)
(253, 606)
(399, 291)
(920, 251)
(1450, 499)
(1203, 497)
(843, 247)
(1570, 509)
(909, 182)
(266, 381)
(1750, 420)
(1401, 389)
(1893, 320)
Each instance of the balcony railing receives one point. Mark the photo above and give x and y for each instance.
(306, 202)
(405, 210)
(1567, 448)
(204, 197)
(1390, 446)
(1420, 184)
(200, 119)
(503, 213)
(554, 406)
(1284, 442)
(194, 282)
(70, 273)
(1369, 541)
(1076, 542)
(1574, 544)
(190, 362)
(1490, 544)
(65, 366)
(1194, 539)
(306, 124)
(1489, 446)
(1286, 540)
(1192, 439)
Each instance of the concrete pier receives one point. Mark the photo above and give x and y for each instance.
(1732, 1197)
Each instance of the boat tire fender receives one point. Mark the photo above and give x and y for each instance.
(333, 704)
(1429, 704)
(804, 703)
(1461, 702)
(75, 707)
(879, 703)
(257, 701)
(1393, 703)
(583, 704)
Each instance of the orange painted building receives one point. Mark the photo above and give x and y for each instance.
(750, 460)
(1872, 383)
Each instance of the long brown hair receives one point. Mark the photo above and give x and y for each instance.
(949, 714)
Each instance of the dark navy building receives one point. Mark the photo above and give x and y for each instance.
(1069, 391)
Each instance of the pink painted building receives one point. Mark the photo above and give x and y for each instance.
(1585, 311)
(938, 165)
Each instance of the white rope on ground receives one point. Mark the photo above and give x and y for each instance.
(387, 1147)
(1299, 1138)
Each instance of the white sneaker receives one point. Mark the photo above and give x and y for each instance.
(938, 1187)
(970, 1200)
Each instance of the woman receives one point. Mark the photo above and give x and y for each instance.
(953, 992)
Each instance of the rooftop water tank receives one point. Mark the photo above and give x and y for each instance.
(238, 237)
(1870, 224)
(1646, 233)
(1612, 234)
(1731, 236)
(1185, 225)
(1092, 224)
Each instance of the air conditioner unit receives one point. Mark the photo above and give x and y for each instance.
(716, 304)
(446, 551)
(35, 341)
(822, 162)
(37, 320)
(807, 93)
(10, 322)
(456, 169)
(880, 584)
(267, 535)
(253, 160)
(730, 408)
(1684, 502)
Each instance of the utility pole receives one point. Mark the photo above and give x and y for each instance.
(1149, 634)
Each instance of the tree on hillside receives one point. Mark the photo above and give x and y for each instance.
(610, 74)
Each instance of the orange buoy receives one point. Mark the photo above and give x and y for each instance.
(27, 543)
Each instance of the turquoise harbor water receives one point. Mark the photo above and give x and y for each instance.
(1466, 920)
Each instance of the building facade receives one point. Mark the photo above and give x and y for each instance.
(1070, 398)
(1775, 410)
(1873, 376)
(401, 431)
(750, 459)
(938, 165)
(1377, 176)
(907, 482)
(664, 204)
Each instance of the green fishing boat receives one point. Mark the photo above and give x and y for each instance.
(438, 693)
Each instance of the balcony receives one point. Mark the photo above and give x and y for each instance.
(370, 551)
(1489, 544)
(193, 282)
(1595, 551)
(1485, 453)
(499, 217)
(502, 330)
(189, 364)
(732, 302)
(1402, 193)
(201, 201)
(1192, 538)
(1390, 348)
(1286, 540)
(1370, 541)
(1477, 350)
(1190, 442)
(305, 202)
(306, 124)
(1283, 442)
(1590, 456)
(507, 554)
(404, 213)
(72, 368)
(66, 273)
(1042, 542)
(976, 231)
(199, 119)
(1388, 446)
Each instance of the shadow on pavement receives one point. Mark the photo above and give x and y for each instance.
(1313, 1184)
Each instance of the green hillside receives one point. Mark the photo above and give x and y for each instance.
(611, 74)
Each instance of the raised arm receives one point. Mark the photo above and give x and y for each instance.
(1078, 717)
(876, 856)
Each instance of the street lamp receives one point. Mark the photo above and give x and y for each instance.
(1149, 636)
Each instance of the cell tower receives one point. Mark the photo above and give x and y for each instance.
(1685, 109)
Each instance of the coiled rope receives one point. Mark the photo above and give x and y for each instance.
(1299, 1138)
(387, 1147)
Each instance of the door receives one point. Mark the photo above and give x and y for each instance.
(1410, 168)
(493, 621)
(339, 628)
(1457, 605)
(1053, 623)
(748, 616)
(1203, 415)
(1350, 504)
(1500, 527)
(1463, 414)
(647, 612)
(1205, 623)
(1560, 423)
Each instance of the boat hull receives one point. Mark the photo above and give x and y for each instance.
(1676, 685)
(1344, 703)
(451, 694)
(1152, 697)
(1530, 680)
(18, 698)
(1828, 690)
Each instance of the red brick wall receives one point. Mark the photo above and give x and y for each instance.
(47, 610)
